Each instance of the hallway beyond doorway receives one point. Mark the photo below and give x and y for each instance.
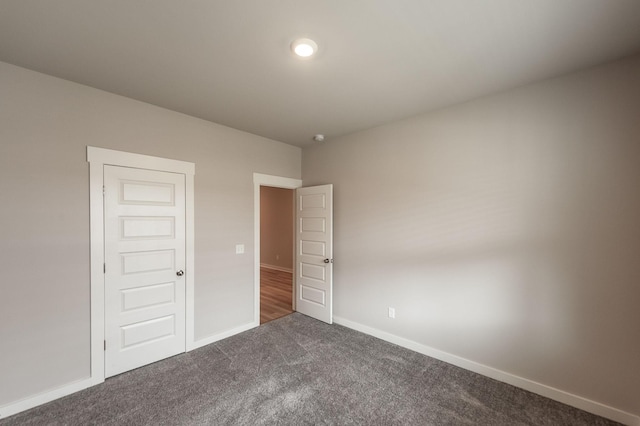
(275, 294)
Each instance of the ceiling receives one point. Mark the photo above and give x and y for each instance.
(228, 61)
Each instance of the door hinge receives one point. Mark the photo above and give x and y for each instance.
(104, 268)
(104, 189)
(105, 345)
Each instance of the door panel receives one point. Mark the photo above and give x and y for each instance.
(148, 331)
(147, 227)
(144, 248)
(314, 252)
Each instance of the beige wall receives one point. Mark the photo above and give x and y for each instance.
(45, 126)
(276, 227)
(505, 231)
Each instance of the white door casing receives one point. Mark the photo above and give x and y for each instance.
(145, 264)
(314, 252)
(98, 158)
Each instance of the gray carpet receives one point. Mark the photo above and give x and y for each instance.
(298, 371)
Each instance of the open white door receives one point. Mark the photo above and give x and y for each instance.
(144, 234)
(314, 252)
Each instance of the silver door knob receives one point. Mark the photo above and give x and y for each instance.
(180, 273)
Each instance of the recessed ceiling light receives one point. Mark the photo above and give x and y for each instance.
(304, 47)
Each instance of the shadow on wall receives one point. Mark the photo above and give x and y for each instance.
(509, 244)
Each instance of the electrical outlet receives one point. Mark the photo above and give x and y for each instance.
(239, 248)
(392, 312)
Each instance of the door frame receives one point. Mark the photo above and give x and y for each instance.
(97, 159)
(259, 180)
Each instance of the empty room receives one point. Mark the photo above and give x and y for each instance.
(370, 212)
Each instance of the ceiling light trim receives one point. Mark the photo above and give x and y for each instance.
(304, 48)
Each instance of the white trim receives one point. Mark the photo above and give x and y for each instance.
(190, 248)
(96, 219)
(138, 161)
(48, 396)
(223, 335)
(276, 268)
(98, 158)
(520, 382)
(44, 397)
(258, 181)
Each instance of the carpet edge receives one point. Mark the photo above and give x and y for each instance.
(555, 394)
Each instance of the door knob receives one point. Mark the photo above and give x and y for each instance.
(180, 273)
(327, 261)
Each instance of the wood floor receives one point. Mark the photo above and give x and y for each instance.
(276, 289)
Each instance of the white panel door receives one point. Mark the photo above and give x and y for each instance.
(314, 252)
(144, 267)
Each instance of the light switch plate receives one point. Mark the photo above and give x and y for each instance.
(239, 248)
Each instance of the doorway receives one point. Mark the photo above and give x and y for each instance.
(260, 180)
(313, 259)
(276, 252)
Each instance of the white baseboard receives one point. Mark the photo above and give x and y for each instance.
(219, 336)
(529, 385)
(276, 268)
(520, 382)
(48, 396)
(44, 397)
